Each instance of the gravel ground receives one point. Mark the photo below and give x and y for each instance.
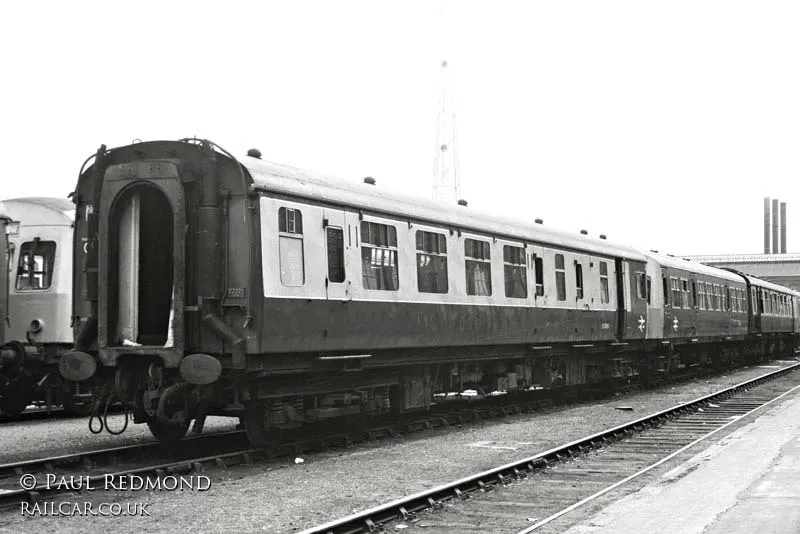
(26, 440)
(284, 497)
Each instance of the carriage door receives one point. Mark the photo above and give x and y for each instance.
(623, 299)
(758, 308)
(337, 276)
(655, 300)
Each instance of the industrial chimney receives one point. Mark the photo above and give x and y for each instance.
(775, 228)
(766, 225)
(783, 227)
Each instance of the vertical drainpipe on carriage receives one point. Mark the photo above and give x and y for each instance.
(209, 279)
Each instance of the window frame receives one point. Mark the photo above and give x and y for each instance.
(388, 249)
(483, 261)
(579, 293)
(432, 245)
(31, 249)
(561, 282)
(538, 275)
(341, 256)
(675, 290)
(684, 287)
(605, 290)
(514, 265)
(701, 295)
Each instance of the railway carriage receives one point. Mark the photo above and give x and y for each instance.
(284, 296)
(210, 285)
(6, 227)
(39, 305)
(772, 308)
(704, 310)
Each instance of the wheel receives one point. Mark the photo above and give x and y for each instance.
(257, 429)
(172, 418)
(165, 432)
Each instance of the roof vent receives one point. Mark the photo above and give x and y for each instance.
(651, 250)
(584, 232)
(462, 202)
(539, 221)
(369, 180)
(254, 153)
(602, 236)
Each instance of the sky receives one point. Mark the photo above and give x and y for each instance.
(660, 124)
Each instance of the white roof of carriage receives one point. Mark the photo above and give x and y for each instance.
(759, 282)
(296, 182)
(674, 262)
(39, 211)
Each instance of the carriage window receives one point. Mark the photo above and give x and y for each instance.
(431, 262)
(603, 282)
(701, 295)
(579, 280)
(478, 262)
(515, 272)
(36, 261)
(641, 288)
(713, 303)
(290, 221)
(684, 293)
(561, 278)
(649, 288)
(694, 293)
(538, 266)
(335, 254)
(675, 287)
(379, 256)
(290, 247)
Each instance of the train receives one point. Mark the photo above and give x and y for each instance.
(5, 229)
(206, 284)
(38, 288)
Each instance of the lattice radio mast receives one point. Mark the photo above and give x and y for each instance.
(445, 173)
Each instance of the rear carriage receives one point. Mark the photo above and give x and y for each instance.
(39, 305)
(772, 308)
(6, 227)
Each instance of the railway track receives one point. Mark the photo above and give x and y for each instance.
(231, 448)
(37, 413)
(528, 495)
